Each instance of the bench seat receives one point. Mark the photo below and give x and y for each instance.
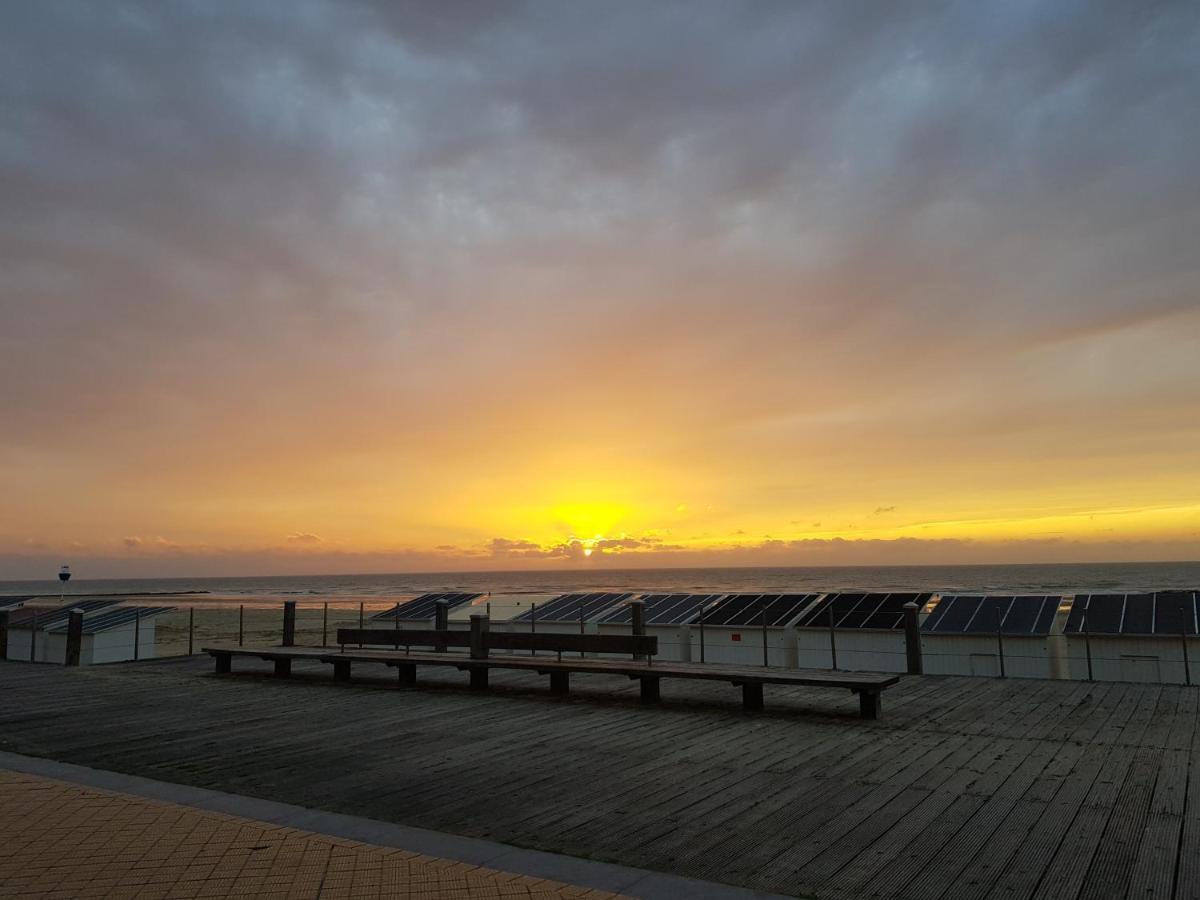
(868, 686)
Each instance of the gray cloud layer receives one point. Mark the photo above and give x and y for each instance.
(217, 215)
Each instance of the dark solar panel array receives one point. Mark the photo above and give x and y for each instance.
(425, 606)
(49, 617)
(663, 609)
(882, 611)
(743, 610)
(978, 614)
(113, 617)
(12, 602)
(569, 607)
(1166, 612)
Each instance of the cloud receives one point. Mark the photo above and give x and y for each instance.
(731, 250)
(881, 510)
(304, 537)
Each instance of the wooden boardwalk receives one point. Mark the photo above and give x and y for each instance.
(967, 788)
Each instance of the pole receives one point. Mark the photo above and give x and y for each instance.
(999, 640)
(637, 612)
(764, 633)
(703, 610)
(137, 632)
(1187, 668)
(191, 629)
(241, 624)
(397, 614)
(33, 639)
(74, 637)
(361, 607)
(3, 634)
(1087, 643)
(532, 624)
(832, 638)
(289, 623)
(912, 639)
(325, 624)
(581, 653)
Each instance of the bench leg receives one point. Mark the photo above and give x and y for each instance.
(341, 670)
(752, 696)
(870, 704)
(650, 692)
(283, 668)
(560, 683)
(408, 674)
(479, 679)
(224, 663)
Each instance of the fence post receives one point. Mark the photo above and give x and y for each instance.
(912, 639)
(191, 629)
(242, 624)
(441, 622)
(532, 624)
(289, 623)
(361, 611)
(832, 638)
(581, 653)
(1087, 644)
(137, 632)
(33, 639)
(1000, 641)
(764, 633)
(397, 615)
(1187, 667)
(479, 631)
(703, 610)
(325, 625)
(74, 637)
(3, 634)
(637, 614)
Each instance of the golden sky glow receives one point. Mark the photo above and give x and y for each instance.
(403, 291)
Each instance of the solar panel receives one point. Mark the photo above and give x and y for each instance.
(570, 607)
(744, 610)
(978, 614)
(1164, 613)
(852, 610)
(663, 609)
(48, 617)
(425, 606)
(113, 617)
(12, 602)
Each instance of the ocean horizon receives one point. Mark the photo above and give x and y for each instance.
(1064, 578)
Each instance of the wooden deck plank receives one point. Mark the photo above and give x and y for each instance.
(968, 787)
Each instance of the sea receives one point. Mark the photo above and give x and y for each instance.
(1066, 578)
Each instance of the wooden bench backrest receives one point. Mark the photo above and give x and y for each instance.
(642, 645)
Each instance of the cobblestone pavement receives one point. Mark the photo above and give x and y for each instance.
(60, 840)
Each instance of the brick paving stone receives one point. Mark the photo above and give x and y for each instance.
(58, 840)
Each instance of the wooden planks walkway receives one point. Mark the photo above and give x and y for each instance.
(968, 788)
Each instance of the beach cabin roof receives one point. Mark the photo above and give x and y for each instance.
(662, 609)
(112, 617)
(1164, 612)
(573, 607)
(48, 617)
(772, 610)
(983, 614)
(853, 610)
(425, 606)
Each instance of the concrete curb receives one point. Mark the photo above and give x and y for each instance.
(571, 870)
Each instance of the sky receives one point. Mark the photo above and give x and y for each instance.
(354, 287)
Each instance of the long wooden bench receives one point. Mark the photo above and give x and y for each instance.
(868, 686)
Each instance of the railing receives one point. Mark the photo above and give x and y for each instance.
(1082, 656)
